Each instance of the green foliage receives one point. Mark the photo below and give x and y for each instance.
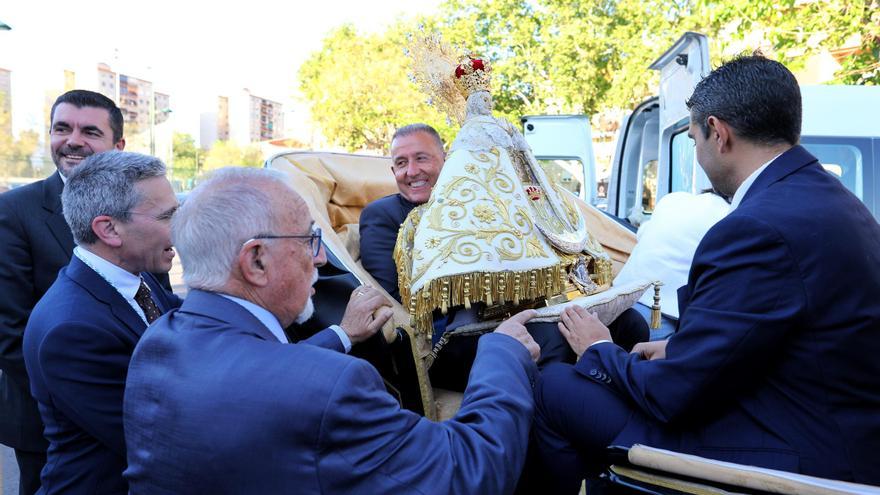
(228, 153)
(359, 91)
(564, 56)
(186, 161)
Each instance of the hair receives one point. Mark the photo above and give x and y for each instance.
(233, 205)
(758, 97)
(414, 128)
(83, 98)
(104, 184)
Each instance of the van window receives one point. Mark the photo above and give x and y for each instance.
(843, 160)
(683, 163)
(568, 173)
(649, 187)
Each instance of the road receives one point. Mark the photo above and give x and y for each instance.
(8, 466)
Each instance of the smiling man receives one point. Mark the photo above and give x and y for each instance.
(81, 334)
(36, 244)
(416, 159)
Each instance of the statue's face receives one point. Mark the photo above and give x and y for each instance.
(416, 162)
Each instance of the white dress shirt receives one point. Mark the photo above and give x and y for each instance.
(125, 282)
(744, 187)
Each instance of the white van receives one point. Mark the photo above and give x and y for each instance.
(654, 156)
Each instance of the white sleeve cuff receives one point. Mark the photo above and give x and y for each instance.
(346, 342)
(596, 342)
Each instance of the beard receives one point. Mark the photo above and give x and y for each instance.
(307, 311)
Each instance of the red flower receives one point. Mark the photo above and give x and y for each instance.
(477, 64)
(459, 71)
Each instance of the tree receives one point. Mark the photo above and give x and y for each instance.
(186, 160)
(228, 153)
(359, 92)
(562, 56)
(792, 31)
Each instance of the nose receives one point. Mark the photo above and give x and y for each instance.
(321, 258)
(75, 139)
(413, 169)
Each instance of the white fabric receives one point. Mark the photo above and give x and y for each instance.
(474, 222)
(744, 187)
(125, 282)
(666, 244)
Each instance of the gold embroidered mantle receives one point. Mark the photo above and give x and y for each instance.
(476, 240)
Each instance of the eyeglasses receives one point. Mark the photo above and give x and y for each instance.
(314, 238)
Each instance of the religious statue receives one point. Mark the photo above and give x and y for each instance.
(496, 230)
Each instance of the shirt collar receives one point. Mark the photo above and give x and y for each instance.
(747, 184)
(125, 282)
(260, 313)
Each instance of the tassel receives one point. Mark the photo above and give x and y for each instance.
(467, 294)
(655, 309)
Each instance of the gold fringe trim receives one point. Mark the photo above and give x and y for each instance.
(489, 288)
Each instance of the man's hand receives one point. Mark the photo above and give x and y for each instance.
(651, 350)
(581, 329)
(515, 327)
(365, 314)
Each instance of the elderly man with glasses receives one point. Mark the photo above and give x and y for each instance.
(215, 403)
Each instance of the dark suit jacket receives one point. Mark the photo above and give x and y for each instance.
(379, 223)
(36, 243)
(215, 404)
(775, 361)
(77, 346)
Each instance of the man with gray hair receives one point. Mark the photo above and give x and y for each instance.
(81, 334)
(215, 404)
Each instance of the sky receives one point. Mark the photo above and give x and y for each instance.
(192, 50)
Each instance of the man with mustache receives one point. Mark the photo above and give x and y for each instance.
(217, 402)
(36, 243)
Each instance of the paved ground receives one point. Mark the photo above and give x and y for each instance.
(8, 466)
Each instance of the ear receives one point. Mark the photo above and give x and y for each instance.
(105, 228)
(720, 133)
(120, 145)
(252, 262)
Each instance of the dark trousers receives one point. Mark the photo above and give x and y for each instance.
(29, 466)
(453, 364)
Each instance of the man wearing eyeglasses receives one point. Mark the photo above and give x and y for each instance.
(81, 334)
(214, 402)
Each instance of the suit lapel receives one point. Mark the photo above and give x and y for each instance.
(95, 285)
(785, 164)
(52, 188)
(219, 308)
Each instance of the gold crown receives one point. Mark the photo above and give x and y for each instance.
(472, 75)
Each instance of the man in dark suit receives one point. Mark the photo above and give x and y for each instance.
(36, 244)
(774, 362)
(215, 403)
(81, 334)
(417, 157)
